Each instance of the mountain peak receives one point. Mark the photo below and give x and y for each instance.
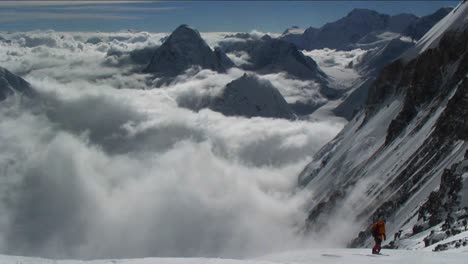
(183, 49)
(185, 33)
(184, 28)
(250, 96)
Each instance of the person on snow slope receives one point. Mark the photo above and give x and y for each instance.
(378, 232)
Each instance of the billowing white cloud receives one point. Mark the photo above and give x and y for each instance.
(106, 165)
(330, 57)
(338, 64)
(239, 58)
(295, 90)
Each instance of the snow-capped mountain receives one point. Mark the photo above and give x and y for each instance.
(363, 28)
(274, 55)
(382, 48)
(374, 60)
(350, 29)
(11, 84)
(409, 141)
(270, 55)
(250, 97)
(183, 49)
(369, 66)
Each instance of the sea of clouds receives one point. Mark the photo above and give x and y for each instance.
(102, 164)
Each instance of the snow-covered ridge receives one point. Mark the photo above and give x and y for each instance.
(457, 20)
(361, 28)
(391, 156)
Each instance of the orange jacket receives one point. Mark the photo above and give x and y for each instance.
(379, 226)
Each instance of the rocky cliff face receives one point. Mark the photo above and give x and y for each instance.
(393, 154)
(384, 48)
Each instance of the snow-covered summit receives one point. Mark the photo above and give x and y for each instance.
(250, 96)
(183, 49)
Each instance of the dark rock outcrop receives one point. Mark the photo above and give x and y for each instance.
(12, 84)
(413, 125)
(183, 49)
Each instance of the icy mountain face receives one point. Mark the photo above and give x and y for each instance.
(11, 84)
(183, 49)
(455, 21)
(369, 66)
(392, 155)
(344, 32)
(269, 55)
(383, 48)
(362, 26)
(274, 55)
(374, 60)
(251, 97)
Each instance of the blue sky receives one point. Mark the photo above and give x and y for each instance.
(164, 16)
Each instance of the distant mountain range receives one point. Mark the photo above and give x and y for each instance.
(361, 26)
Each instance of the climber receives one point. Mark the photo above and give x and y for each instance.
(378, 232)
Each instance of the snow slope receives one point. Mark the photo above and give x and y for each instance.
(391, 156)
(323, 256)
(456, 19)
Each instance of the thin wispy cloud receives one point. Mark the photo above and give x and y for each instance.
(74, 10)
(113, 8)
(53, 3)
(30, 16)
